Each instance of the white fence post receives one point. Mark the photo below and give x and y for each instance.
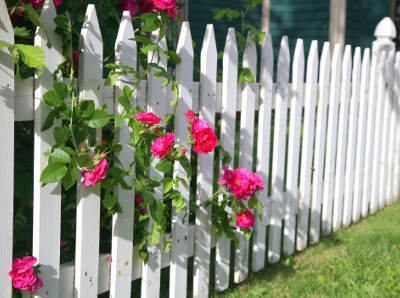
(228, 116)
(47, 199)
(122, 232)
(6, 152)
(292, 190)
(278, 155)
(88, 198)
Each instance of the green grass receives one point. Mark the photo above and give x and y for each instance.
(360, 261)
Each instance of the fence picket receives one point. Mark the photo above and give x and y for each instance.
(208, 92)
(376, 168)
(342, 140)
(88, 199)
(279, 148)
(384, 186)
(297, 98)
(47, 199)
(122, 233)
(352, 138)
(179, 233)
(7, 152)
(307, 146)
(320, 136)
(263, 151)
(228, 116)
(330, 157)
(396, 130)
(156, 103)
(361, 137)
(248, 105)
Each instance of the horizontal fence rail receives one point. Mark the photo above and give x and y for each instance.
(335, 114)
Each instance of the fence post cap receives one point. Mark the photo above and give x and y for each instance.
(385, 29)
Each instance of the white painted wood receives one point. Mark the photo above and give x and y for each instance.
(228, 116)
(352, 138)
(384, 179)
(396, 134)
(361, 136)
(263, 151)
(307, 147)
(156, 103)
(47, 200)
(88, 198)
(208, 97)
(292, 190)
(6, 152)
(376, 168)
(122, 232)
(246, 146)
(330, 157)
(279, 148)
(179, 248)
(342, 140)
(320, 136)
(369, 149)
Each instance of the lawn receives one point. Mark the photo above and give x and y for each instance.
(360, 261)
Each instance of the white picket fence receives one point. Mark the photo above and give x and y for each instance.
(342, 160)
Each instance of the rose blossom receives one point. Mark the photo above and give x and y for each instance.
(244, 219)
(92, 177)
(165, 4)
(189, 116)
(146, 6)
(138, 201)
(23, 276)
(131, 6)
(162, 146)
(241, 182)
(148, 118)
(205, 141)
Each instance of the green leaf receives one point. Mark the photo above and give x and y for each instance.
(53, 172)
(164, 166)
(4, 44)
(49, 120)
(124, 101)
(70, 178)
(185, 163)
(113, 77)
(157, 210)
(253, 202)
(60, 155)
(22, 32)
(148, 198)
(32, 56)
(142, 39)
(83, 161)
(245, 75)
(144, 255)
(61, 89)
(148, 48)
(247, 234)
(127, 91)
(109, 202)
(168, 184)
(53, 99)
(99, 119)
(61, 134)
(87, 108)
(174, 57)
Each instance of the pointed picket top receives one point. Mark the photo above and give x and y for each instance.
(209, 47)
(123, 44)
(6, 28)
(337, 57)
(326, 54)
(312, 62)
(250, 55)
(385, 28)
(298, 58)
(283, 61)
(346, 70)
(230, 44)
(185, 45)
(357, 63)
(91, 56)
(267, 66)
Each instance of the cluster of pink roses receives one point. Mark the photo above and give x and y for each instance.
(145, 6)
(203, 135)
(23, 275)
(242, 183)
(91, 177)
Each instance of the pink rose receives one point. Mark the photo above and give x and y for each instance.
(131, 6)
(75, 57)
(138, 201)
(35, 3)
(241, 182)
(174, 12)
(205, 141)
(148, 118)
(146, 6)
(23, 276)
(92, 177)
(57, 3)
(165, 4)
(162, 146)
(189, 116)
(245, 219)
(198, 125)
